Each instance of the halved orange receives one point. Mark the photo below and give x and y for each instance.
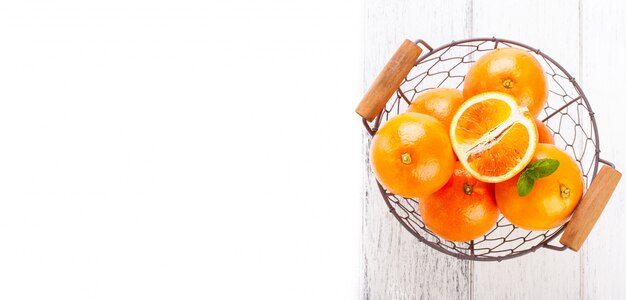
(493, 137)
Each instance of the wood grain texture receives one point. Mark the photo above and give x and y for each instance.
(603, 76)
(588, 39)
(388, 81)
(396, 265)
(545, 274)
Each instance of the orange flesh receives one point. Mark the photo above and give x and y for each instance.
(473, 124)
(503, 155)
(491, 139)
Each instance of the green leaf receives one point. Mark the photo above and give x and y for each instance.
(524, 184)
(542, 168)
(538, 169)
(530, 173)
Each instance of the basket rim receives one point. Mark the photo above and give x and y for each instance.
(596, 157)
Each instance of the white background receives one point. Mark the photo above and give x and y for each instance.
(180, 149)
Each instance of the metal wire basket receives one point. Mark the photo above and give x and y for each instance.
(567, 114)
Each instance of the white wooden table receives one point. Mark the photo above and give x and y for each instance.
(589, 39)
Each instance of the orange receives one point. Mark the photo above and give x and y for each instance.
(545, 134)
(462, 210)
(411, 155)
(493, 137)
(551, 200)
(440, 103)
(512, 71)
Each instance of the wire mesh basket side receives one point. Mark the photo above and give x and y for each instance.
(567, 114)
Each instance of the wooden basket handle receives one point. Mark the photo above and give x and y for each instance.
(388, 80)
(590, 207)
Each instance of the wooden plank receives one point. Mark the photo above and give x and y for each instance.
(603, 65)
(545, 274)
(396, 265)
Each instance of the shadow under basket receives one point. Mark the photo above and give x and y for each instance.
(567, 114)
